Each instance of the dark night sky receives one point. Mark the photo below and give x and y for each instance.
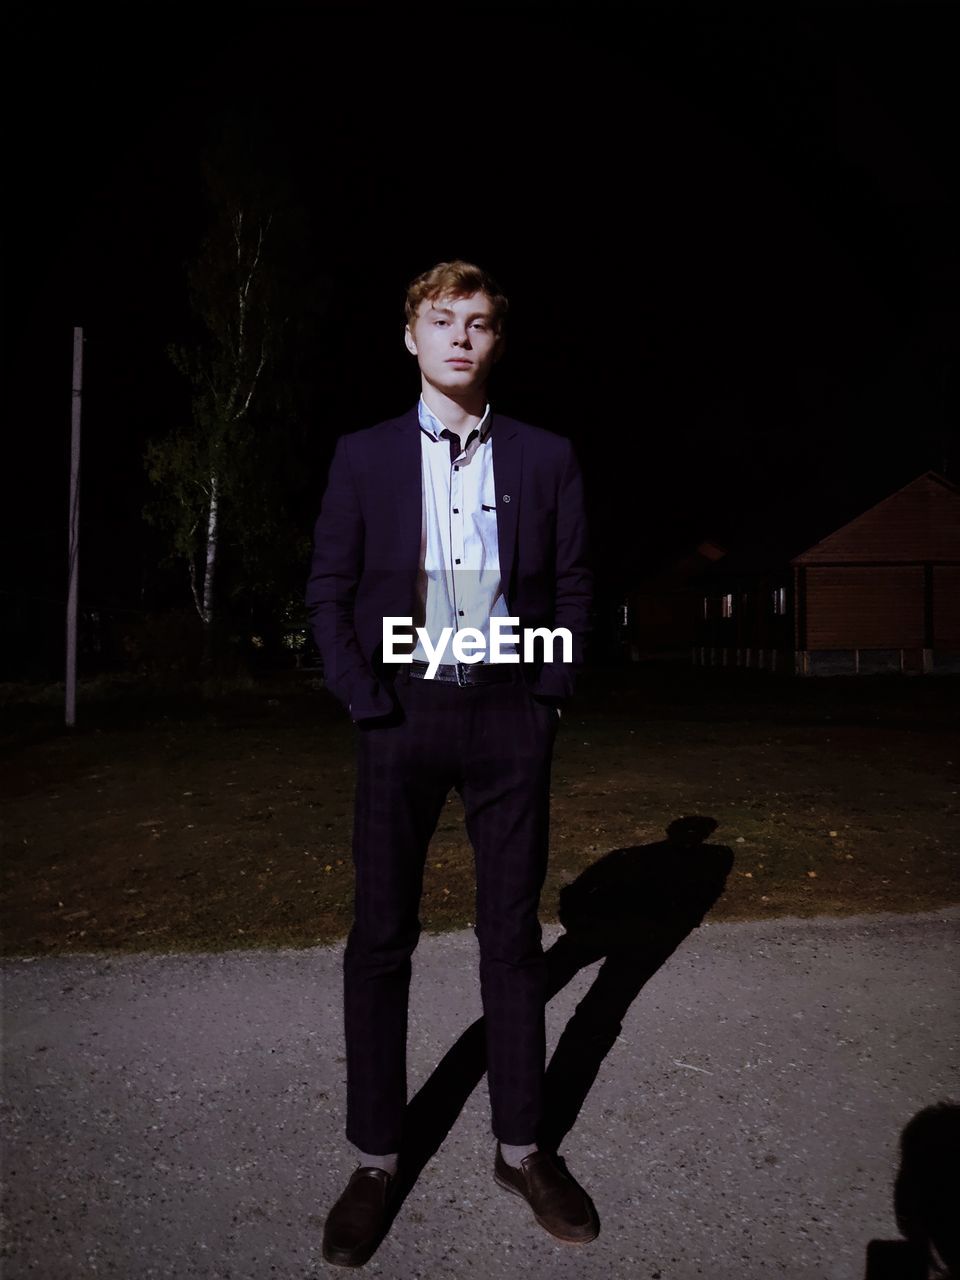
(728, 236)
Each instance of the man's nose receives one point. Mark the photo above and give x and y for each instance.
(462, 339)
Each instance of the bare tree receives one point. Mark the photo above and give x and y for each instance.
(205, 472)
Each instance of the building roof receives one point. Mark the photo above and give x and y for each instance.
(922, 515)
(919, 522)
(678, 570)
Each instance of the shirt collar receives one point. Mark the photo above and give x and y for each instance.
(433, 426)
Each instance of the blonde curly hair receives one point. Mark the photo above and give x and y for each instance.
(456, 279)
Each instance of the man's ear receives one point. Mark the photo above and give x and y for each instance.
(409, 342)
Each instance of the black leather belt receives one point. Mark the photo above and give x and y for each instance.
(465, 673)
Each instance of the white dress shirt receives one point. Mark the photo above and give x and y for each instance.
(458, 580)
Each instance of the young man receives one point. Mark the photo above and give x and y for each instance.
(453, 517)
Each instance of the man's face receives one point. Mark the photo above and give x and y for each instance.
(455, 343)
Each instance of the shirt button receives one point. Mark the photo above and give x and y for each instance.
(456, 511)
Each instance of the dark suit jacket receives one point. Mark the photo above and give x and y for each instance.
(367, 549)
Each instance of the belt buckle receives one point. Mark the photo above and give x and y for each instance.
(461, 681)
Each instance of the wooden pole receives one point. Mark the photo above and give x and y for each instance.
(73, 534)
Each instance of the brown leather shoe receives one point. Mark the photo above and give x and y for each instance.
(356, 1223)
(558, 1204)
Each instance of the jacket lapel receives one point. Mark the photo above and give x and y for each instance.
(507, 460)
(407, 484)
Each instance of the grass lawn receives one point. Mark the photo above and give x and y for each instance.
(174, 822)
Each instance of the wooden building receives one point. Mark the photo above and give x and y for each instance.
(745, 609)
(662, 609)
(881, 593)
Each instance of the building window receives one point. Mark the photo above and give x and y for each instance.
(780, 601)
(623, 611)
(726, 605)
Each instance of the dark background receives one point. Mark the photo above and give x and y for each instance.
(728, 237)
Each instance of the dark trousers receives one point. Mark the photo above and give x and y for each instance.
(493, 743)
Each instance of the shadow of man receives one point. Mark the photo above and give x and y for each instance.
(926, 1197)
(632, 909)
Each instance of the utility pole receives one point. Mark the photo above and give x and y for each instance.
(73, 533)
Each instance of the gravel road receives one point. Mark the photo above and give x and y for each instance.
(182, 1116)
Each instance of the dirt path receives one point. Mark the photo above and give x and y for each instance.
(158, 826)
